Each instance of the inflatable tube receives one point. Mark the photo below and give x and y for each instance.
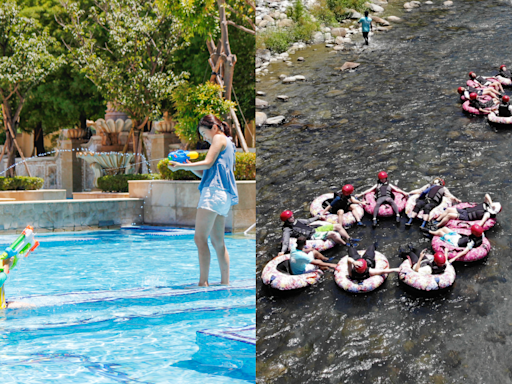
(434, 214)
(483, 98)
(460, 224)
(426, 281)
(320, 203)
(499, 122)
(475, 254)
(319, 245)
(504, 80)
(355, 286)
(473, 84)
(469, 109)
(385, 210)
(285, 282)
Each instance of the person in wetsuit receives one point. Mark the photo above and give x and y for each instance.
(485, 82)
(301, 227)
(384, 195)
(479, 91)
(362, 267)
(344, 202)
(482, 106)
(504, 72)
(303, 256)
(431, 195)
(505, 109)
(483, 211)
(427, 263)
(457, 240)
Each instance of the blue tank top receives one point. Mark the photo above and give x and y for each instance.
(221, 175)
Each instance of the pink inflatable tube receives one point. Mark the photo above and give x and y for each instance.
(469, 109)
(284, 282)
(473, 255)
(434, 214)
(474, 84)
(319, 245)
(317, 207)
(494, 119)
(504, 80)
(483, 98)
(460, 224)
(385, 210)
(424, 281)
(341, 275)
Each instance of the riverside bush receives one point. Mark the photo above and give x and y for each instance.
(20, 183)
(119, 183)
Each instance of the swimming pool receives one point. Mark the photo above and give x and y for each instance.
(122, 306)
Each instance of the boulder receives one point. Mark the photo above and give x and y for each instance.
(289, 79)
(415, 3)
(374, 7)
(261, 118)
(300, 58)
(275, 120)
(328, 36)
(268, 18)
(318, 37)
(282, 97)
(340, 40)
(282, 77)
(260, 93)
(261, 104)
(339, 32)
(348, 65)
(263, 24)
(353, 14)
(329, 45)
(380, 21)
(285, 23)
(282, 16)
(338, 47)
(448, 3)
(300, 78)
(394, 19)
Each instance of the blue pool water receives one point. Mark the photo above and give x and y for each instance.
(122, 306)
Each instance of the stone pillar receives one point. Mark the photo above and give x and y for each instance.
(160, 147)
(71, 166)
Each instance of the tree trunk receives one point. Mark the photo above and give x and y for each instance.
(11, 157)
(39, 139)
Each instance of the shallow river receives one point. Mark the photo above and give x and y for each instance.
(398, 112)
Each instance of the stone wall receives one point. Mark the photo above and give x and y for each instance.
(48, 167)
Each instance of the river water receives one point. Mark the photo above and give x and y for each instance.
(398, 112)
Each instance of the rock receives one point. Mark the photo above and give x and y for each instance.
(338, 48)
(330, 41)
(353, 13)
(263, 54)
(415, 3)
(261, 104)
(328, 36)
(429, 2)
(327, 29)
(282, 77)
(300, 78)
(318, 37)
(300, 58)
(329, 45)
(289, 64)
(275, 15)
(282, 97)
(268, 18)
(275, 120)
(394, 19)
(348, 65)
(340, 40)
(260, 93)
(334, 92)
(380, 21)
(261, 118)
(302, 46)
(379, 2)
(374, 7)
(282, 16)
(382, 29)
(263, 24)
(339, 32)
(347, 40)
(289, 79)
(448, 3)
(291, 51)
(285, 23)
(285, 56)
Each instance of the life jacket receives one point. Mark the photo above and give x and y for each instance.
(299, 229)
(383, 189)
(506, 73)
(341, 204)
(482, 80)
(503, 110)
(464, 240)
(479, 104)
(435, 194)
(477, 212)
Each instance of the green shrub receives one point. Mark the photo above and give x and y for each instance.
(277, 40)
(304, 31)
(322, 13)
(21, 183)
(339, 7)
(119, 183)
(297, 12)
(245, 168)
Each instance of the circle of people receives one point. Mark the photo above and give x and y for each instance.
(457, 229)
(484, 95)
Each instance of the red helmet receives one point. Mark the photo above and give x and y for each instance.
(506, 99)
(473, 96)
(503, 66)
(460, 90)
(477, 230)
(285, 215)
(441, 181)
(382, 175)
(347, 189)
(472, 75)
(362, 268)
(439, 258)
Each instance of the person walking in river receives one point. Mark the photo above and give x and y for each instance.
(366, 26)
(218, 194)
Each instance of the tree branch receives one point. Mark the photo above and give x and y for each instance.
(241, 15)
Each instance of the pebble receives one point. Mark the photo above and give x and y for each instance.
(275, 120)
(283, 97)
(300, 58)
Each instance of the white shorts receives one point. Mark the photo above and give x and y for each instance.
(216, 200)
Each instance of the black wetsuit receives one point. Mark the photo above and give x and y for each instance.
(504, 110)
(429, 200)
(369, 256)
(413, 255)
(384, 194)
(477, 104)
(474, 213)
(340, 202)
(464, 240)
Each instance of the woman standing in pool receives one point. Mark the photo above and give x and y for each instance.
(218, 194)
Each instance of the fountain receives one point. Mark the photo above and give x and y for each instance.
(108, 163)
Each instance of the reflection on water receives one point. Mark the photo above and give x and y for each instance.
(397, 112)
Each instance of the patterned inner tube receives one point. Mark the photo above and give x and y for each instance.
(504, 80)
(285, 282)
(492, 118)
(456, 224)
(321, 202)
(385, 210)
(469, 109)
(475, 254)
(425, 281)
(341, 275)
(319, 245)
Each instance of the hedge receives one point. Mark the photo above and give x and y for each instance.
(20, 183)
(119, 183)
(245, 168)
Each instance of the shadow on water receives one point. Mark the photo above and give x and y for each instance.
(397, 112)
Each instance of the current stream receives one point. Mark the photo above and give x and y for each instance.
(397, 112)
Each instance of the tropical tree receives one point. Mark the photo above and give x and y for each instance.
(25, 62)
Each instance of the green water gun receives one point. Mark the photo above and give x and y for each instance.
(22, 246)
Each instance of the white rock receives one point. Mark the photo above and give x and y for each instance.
(329, 45)
(261, 117)
(318, 37)
(300, 78)
(284, 55)
(285, 23)
(289, 64)
(275, 120)
(282, 16)
(339, 32)
(327, 29)
(339, 40)
(302, 46)
(268, 18)
(263, 23)
(429, 2)
(282, 77)
(328, 36)
(347, 40)
(415, 3)
(394, 19)
(448, 3)
(273, 60)
(338, 48)
(374, 7)
(282, 97)
(261, 104)
(289, 79)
